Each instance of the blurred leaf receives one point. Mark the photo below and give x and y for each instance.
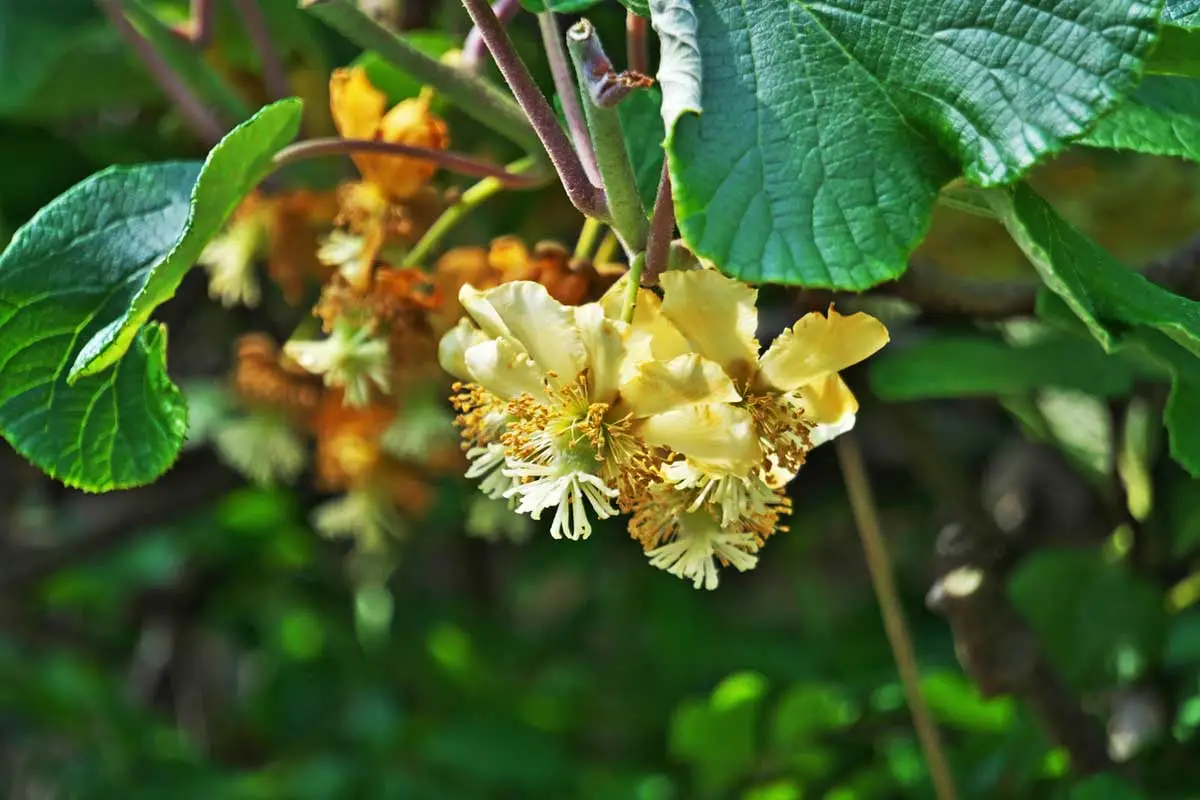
(84, 393)
(1135, 460)
(643, 131)
(964, 366)
(955, 701)
(779, 790)
(1183, 509)
(1081, 426)
(807, 709)
(1160, 117)
(1104, 787)
(1086, 610)
(779, 181)
(717, 737)
(1176, 53)
(560, 6)
(62, 59)
(639, 7)
(1182, 649)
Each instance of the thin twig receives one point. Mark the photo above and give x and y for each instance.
(637, 45)
(463, 165)
(275, 76)
(662, 230)
(586, 197)
(862, 504)
(564, 85)
(199, 117)
(474, 48)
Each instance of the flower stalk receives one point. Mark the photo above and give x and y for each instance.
(602, 88)
(589, 199)
(564, 85)
(473, 95)
(662, 229)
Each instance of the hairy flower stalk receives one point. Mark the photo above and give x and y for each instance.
(673, 417)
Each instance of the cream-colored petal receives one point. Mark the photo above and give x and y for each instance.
(604, 340)
(716, 435)
(717, 315)
(475, 303)
(503, 370)
(452, 349)
(659, 386)
(830, 405)
(542, 325)
(818, 345)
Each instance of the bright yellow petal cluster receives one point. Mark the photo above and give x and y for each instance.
(673, 417)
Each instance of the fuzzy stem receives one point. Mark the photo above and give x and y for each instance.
(589, 199)
(471, 199)
(198, 29)
(473, 95)
(474, 48)
(858, 487)
(565, 87)
(662, 229)
(637, 46)
(604, 123)
(588, 236)
(275, 76)
(202, 121)
(463, 165)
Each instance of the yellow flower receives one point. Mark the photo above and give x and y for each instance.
(539, 402)
(231, 257)
(359, 113)
(264, 447)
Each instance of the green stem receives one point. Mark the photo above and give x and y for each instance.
(607, 249)
(593, 68)
(475, 96)
(592, 228)
(634, 276)
(471, 199)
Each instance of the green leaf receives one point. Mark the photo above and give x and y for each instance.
(1087, 612)
(77, 286)
(1161, 117)
(1104, 787)
(1182, 12)
(1104, 293)
(966, 366)
(1177, 52)
(643, 130)
(819, 165)
(233, 168)
(679, 69)
(61, 59)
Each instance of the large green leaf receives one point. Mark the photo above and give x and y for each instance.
(561, 6)
(1161, 117)
(816, 160)
(679, 71)
(232, 169)
(77, 286)
(964, 366)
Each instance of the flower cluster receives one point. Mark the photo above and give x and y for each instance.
(359, 399)
(673, 417)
